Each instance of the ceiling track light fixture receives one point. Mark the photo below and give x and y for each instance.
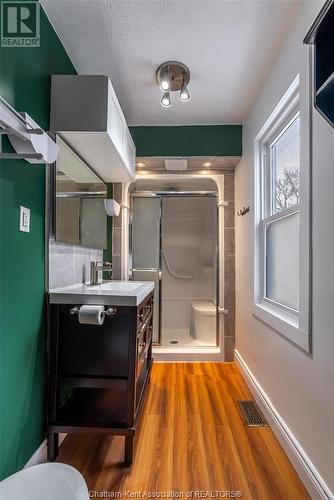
(173, 76)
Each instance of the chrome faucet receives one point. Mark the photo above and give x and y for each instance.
(96, 268)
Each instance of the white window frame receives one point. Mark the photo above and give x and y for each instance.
(293, 324)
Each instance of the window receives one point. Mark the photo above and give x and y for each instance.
(278, 222)
(280, 219)
(284, 164)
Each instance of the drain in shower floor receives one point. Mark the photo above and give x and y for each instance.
(173, 342)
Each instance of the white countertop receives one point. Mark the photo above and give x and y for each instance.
(109, 293)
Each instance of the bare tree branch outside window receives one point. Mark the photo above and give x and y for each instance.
(287, 189)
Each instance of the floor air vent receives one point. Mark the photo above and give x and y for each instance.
(252, 414)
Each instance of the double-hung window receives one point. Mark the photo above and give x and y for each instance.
(280, 223)
(277, 293)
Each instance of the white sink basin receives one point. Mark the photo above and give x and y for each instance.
(115, 293)
(117, 286)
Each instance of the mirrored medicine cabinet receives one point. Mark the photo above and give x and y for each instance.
(80, 216)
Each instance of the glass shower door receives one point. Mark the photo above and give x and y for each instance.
(189, 271)
(146, 215)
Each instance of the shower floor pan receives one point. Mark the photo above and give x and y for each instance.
(182, 338)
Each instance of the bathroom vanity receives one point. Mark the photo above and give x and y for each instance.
(98, 374)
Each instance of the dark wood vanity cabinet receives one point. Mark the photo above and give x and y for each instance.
(97, 375)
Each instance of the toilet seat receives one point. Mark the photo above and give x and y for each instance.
(203, 321)
(206, 307)
(49, 481)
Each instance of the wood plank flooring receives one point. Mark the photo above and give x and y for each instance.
(191, 438)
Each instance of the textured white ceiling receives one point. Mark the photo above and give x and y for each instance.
(228, 45)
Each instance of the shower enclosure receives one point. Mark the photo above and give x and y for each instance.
(173, 242)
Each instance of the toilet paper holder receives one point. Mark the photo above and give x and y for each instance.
(111, 311)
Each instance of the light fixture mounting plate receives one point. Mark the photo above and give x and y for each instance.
(178, 73)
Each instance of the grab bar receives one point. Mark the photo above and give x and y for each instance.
(175, 275)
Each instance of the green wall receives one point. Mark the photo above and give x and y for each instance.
(191, 140)
(25, 84)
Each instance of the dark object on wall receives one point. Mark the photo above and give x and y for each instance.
(321, 35)
(98, 375)
(243, 211)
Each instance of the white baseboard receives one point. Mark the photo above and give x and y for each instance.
(40, 455)
(307, 472)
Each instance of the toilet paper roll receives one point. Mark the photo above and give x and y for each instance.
(91, 315)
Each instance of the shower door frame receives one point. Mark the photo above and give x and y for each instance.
(174, 194)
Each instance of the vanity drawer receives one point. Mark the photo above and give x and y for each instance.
(144, 340)
(144, 311)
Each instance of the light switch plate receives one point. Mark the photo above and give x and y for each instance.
(25, 219)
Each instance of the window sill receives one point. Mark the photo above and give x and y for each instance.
(282, 322)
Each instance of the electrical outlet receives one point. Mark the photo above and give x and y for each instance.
(25, 219)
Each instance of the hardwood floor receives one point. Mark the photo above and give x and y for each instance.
(191, 438)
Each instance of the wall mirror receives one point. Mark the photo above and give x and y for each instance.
(81, 218)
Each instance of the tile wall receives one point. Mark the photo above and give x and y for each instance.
(70, 264)
(229, 268)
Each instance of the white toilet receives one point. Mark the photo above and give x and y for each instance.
(203, 321)
(50, 481)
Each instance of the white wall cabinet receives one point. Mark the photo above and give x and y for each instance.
(129, 149)
(85, 112)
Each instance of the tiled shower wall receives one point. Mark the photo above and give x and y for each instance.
(70, 264)
(229, 268)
